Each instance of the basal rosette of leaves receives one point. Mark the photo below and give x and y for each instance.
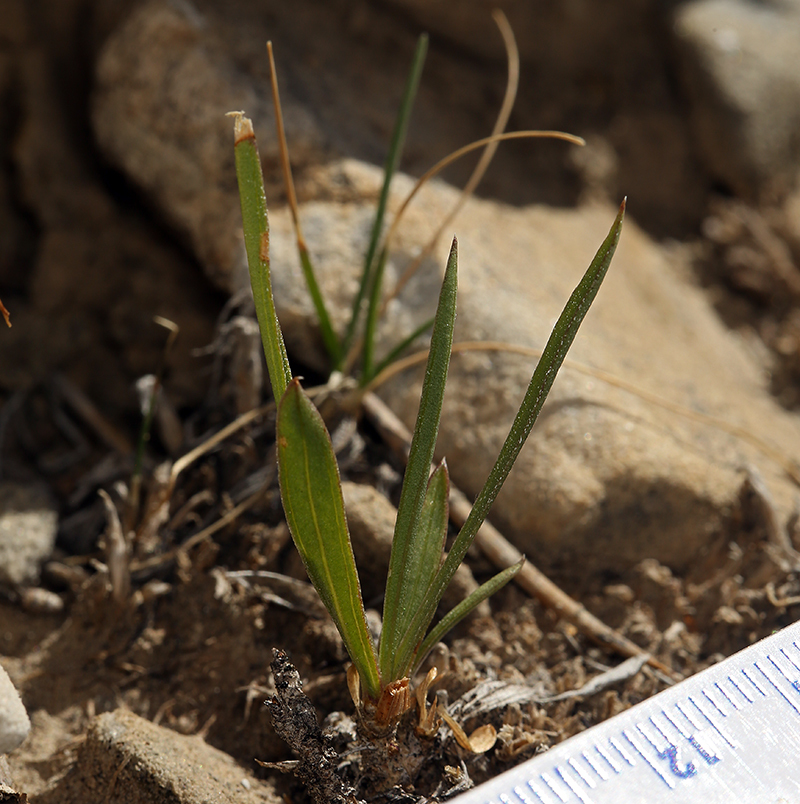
(419, 570)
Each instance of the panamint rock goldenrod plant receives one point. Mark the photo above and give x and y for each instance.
(419, 571)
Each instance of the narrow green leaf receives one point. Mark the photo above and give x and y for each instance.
(312, 499)
(456, 615)
(329, 338)
(392, 162)
(371, 322)
(426, 548)
(256, 240)
(397, 611)
(541, 382)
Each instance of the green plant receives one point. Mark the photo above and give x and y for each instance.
(419, 571)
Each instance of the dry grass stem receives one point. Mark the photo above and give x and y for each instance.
(789, 465)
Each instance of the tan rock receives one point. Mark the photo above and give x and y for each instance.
(608, 478)
(126, 758)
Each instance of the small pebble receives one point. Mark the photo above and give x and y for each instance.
(14, 723)
(40, 601)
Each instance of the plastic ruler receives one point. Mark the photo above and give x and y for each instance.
(728, 734)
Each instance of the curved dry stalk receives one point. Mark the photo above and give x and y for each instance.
(789, 466)
(435, 171)
(237, 424)
(512, 84)
(288, 180)
(326, 328)
(190, 457)
(466, 149)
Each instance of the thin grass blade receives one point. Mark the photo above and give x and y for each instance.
(456, 615)
(256, 240)
(312, 499)
(371, 322)
(397, 611)
(541, 382)
(392, 162)
(329, 338)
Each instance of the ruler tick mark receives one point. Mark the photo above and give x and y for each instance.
(717, 728)
(725, 694)
(570, 783)
(790, 660)
(593, 765)
(539, 796)
(590, 783)
(667, 781)
(752, 680)
(740, 690)
(549, 782)
(779, 690)
(607, 757)
(523, 796)
(622, 752)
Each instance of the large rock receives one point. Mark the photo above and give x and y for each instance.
(739, 64)
(608, 478)
(571, 37)
(97, 272)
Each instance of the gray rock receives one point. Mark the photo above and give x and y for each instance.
(28, 524)
(14, 723)
(163, 87)
(738, 62)
(96, 272)
(608, 478)
(128, 759)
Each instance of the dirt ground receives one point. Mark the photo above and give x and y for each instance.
(182, 630)
(188, 646)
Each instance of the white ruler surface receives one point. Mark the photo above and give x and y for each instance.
(729, 734)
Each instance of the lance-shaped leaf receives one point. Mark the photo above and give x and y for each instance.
(256, 241)
(312, 499)
(544, 375)
(401, 598)
(426, 548)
